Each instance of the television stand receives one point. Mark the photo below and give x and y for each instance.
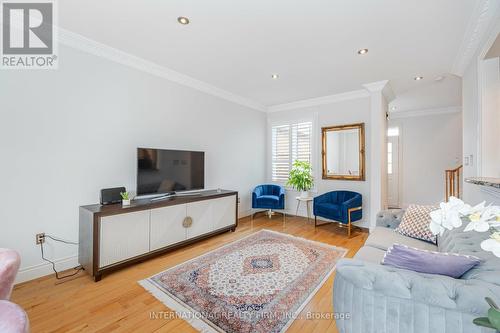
(114, 236)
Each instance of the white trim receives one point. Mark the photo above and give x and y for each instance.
(424, 112)
(43, 269)
(361, 93)
(490, 38)
(483, 16)
(388, 93)
(85, 44)
(375, 86)
(381, 86)
(480, 77)
(244, 213)
(316, 147)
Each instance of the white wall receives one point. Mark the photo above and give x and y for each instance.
(471, 129)
(430, 138)
(340, 113)
(67, 133)
(428, 145)
(490, 118)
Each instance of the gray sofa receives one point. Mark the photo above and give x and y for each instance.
(384, 299)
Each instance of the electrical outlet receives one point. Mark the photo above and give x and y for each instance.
(40, 238)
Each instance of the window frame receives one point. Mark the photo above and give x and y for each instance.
(313, 147)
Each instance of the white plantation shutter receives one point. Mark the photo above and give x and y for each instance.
(281, 152)
(289, 143)
(301, 142)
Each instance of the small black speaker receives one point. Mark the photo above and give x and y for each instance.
(111, 195)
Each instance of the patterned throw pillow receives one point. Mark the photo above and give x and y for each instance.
(415, 223)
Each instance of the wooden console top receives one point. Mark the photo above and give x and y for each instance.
(143, 204)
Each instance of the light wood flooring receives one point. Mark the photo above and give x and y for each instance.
(119, 304)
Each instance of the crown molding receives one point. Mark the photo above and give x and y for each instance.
(383, 87)
(373, 87)
(88, 45)
(362, 93)
(388, 93)
(484, 15)
(424, 112)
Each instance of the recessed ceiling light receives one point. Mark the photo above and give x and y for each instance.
(363, 51)
(418, 78)
(439, 78)
(275, 76)
(393, 108)
(183, 20)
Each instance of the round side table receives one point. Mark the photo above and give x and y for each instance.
(307, 200)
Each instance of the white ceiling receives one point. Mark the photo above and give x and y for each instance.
(444, 93)
(237, 45)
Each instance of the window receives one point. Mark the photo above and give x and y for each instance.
(393, 131)
(289, 143)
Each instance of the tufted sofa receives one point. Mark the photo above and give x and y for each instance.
(385, 299)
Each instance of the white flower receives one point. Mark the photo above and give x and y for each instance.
(469, 210)
(450, 214)
(477, 223)
(435, 226)
(492, 244)
(447, 217)
(481, 219)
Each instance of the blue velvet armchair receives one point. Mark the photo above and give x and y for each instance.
(268, 197)
(341, 206)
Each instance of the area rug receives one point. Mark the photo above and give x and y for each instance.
(259, 283)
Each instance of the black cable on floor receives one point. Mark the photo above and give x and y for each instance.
(77, 268)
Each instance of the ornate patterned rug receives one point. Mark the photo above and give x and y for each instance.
(256, 284)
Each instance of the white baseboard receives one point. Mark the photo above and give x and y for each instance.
(44, 269)
(244, 213)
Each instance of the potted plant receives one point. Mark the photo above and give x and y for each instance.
(125, 198)
(493, 319)
(301, 178)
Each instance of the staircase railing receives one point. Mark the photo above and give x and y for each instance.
(452, 182)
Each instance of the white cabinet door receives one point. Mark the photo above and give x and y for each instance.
(123, 236)
(166, 226)
(201, 214)
(224, 212)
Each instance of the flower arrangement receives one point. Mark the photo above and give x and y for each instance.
(480, 218)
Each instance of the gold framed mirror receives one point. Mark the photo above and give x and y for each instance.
(343, 152)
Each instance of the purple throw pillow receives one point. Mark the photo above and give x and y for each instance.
(423, 261)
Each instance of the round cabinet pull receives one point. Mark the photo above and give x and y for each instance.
(188, 222)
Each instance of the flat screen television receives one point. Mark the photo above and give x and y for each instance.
(162, 171)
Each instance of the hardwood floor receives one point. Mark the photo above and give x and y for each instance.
(119, 304)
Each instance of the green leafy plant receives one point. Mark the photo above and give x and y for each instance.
(125, 195)
(300, 177)
(493, 319)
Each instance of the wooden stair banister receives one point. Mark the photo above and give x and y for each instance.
(452, 182)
